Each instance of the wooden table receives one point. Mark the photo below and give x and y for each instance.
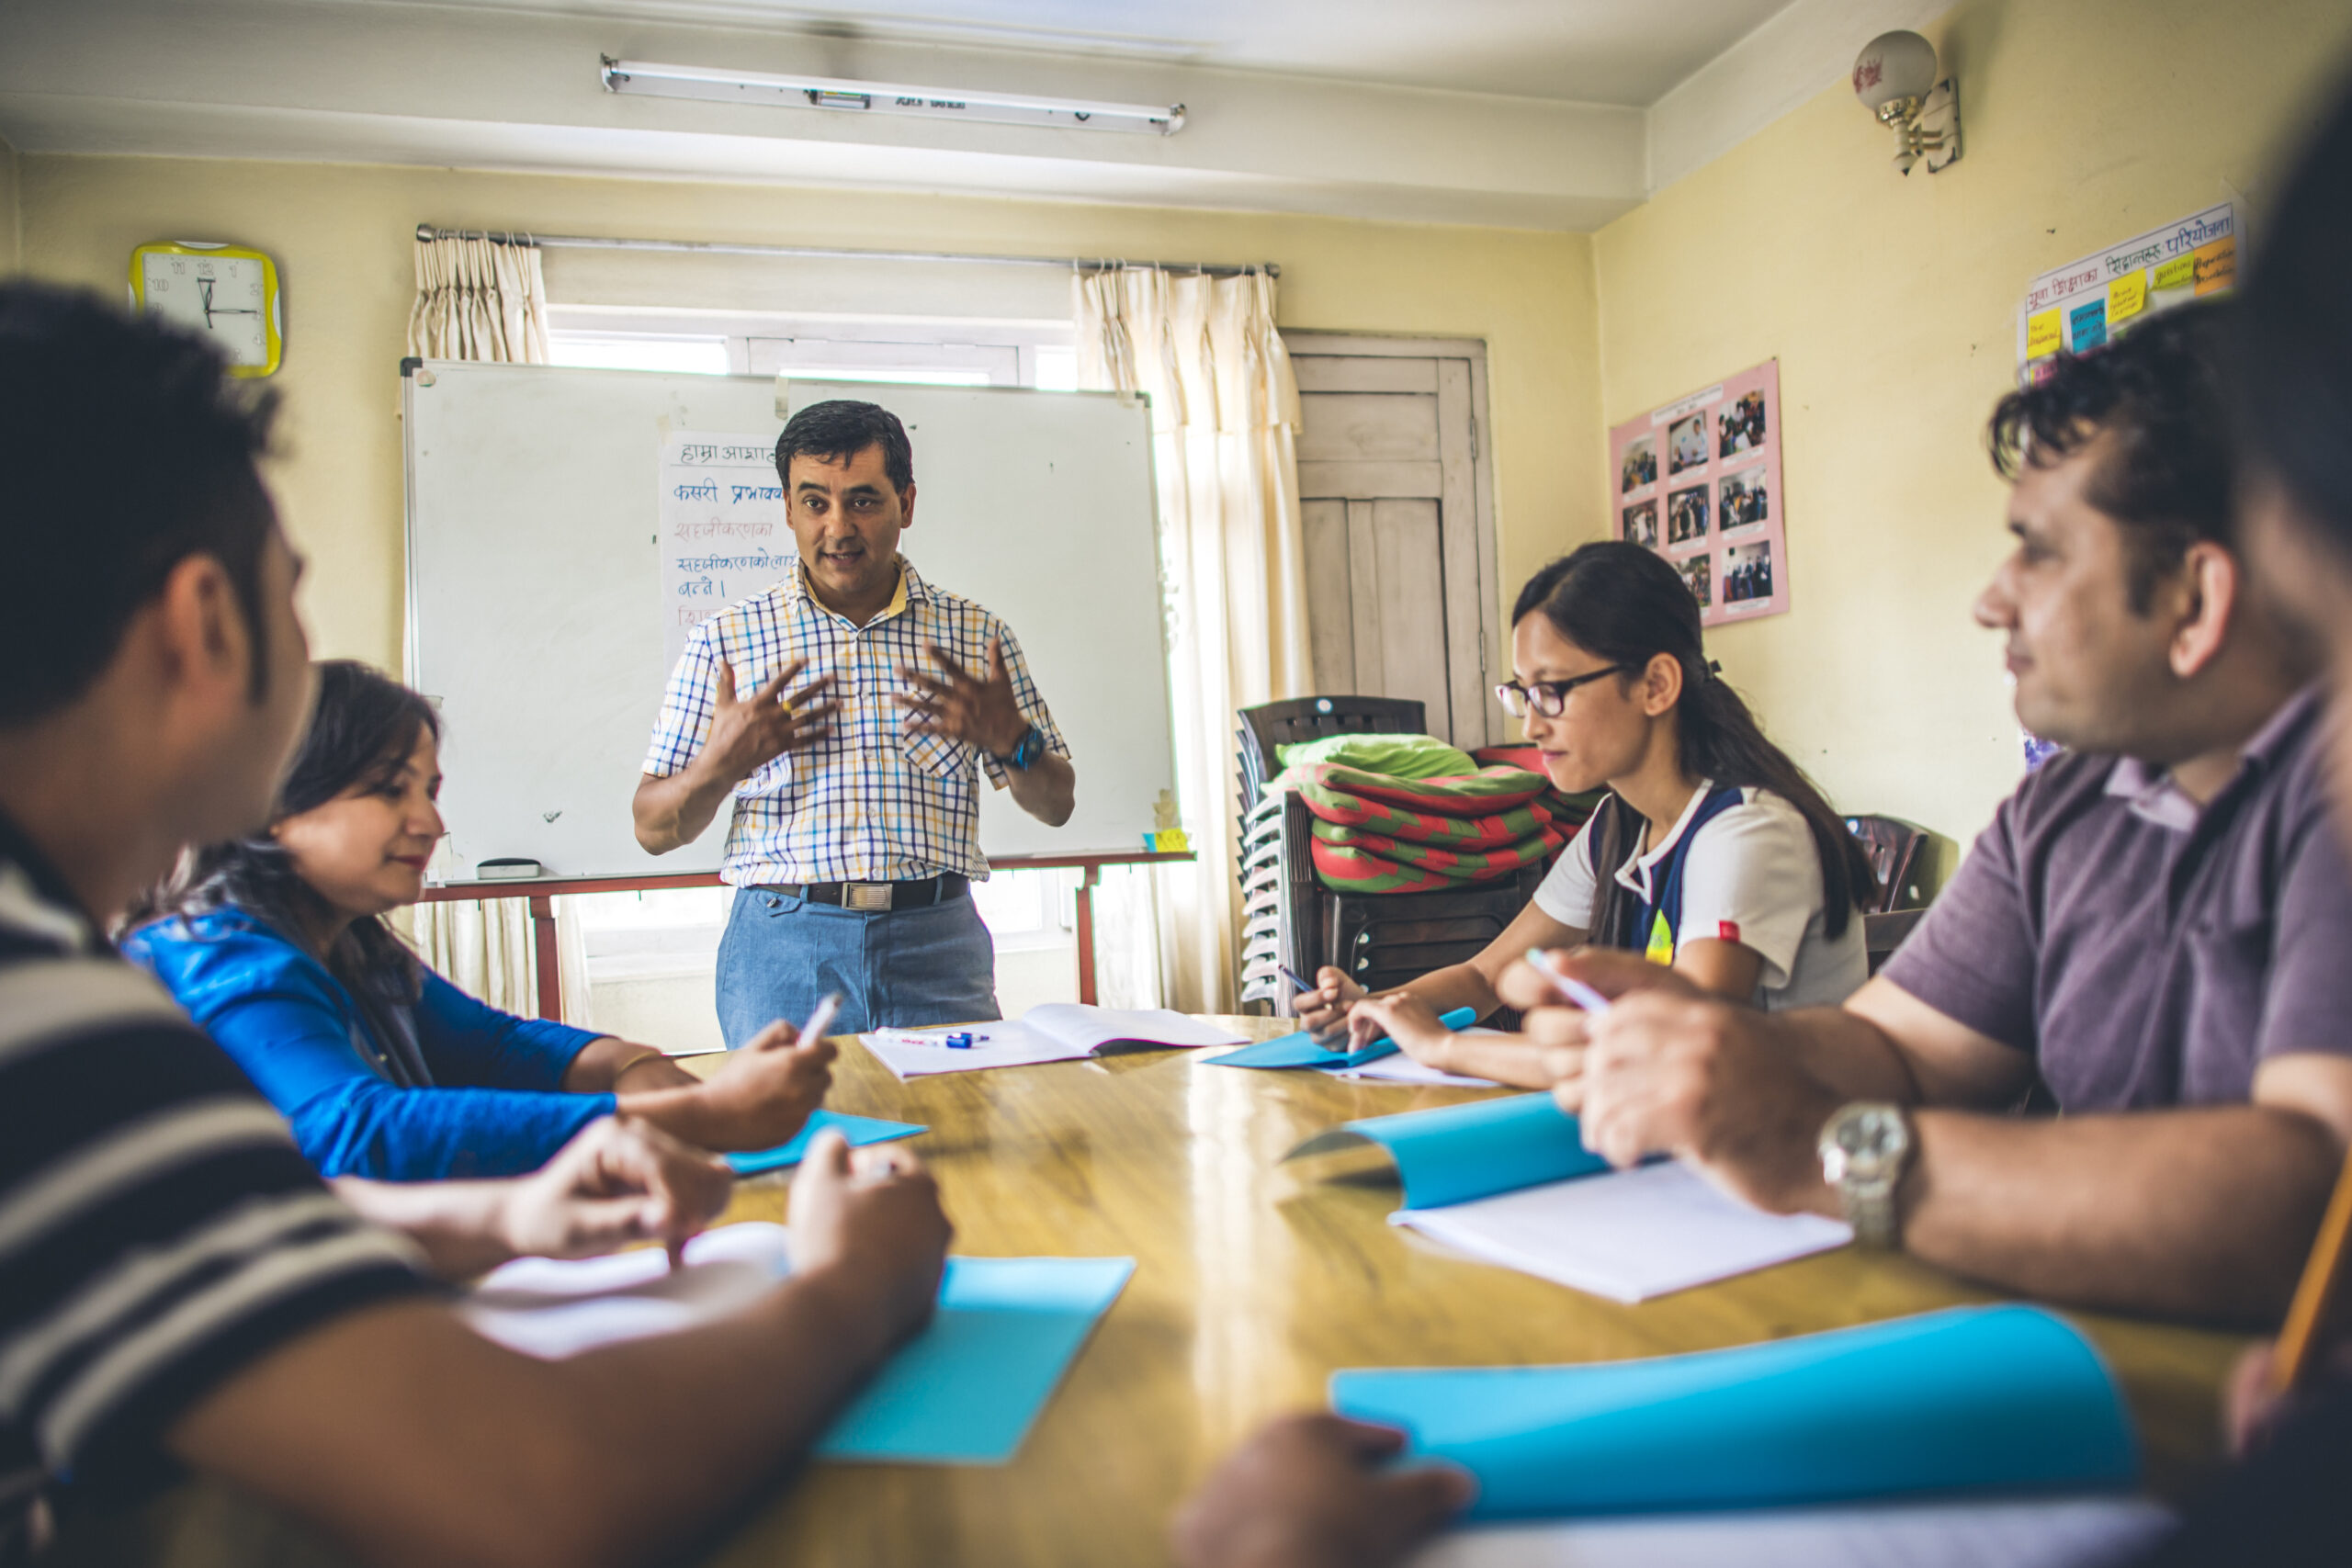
(1252, 1286)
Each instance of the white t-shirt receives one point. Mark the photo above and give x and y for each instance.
(1752, 877)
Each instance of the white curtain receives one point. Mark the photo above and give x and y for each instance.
(1224, 422)
(485, 300)
(478, 299)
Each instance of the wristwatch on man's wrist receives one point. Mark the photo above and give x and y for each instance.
(1026, 750)
(1865, 1150)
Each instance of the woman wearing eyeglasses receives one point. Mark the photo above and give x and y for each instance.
(1711, 852)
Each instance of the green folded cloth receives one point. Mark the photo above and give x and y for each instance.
(1354, 869)
(1398, 756)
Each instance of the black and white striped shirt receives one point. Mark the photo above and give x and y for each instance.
(158, 1228)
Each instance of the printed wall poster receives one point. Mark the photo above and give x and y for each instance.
(722, 528)
(2076, 307)
(1716, 510)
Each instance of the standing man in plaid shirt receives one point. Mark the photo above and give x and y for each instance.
(850, 709)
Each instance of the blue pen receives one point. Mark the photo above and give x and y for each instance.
(1576, 990)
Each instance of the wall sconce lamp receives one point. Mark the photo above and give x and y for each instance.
(1895, 78)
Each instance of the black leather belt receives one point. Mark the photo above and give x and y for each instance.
(876, 897)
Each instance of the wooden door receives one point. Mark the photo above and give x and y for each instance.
(1400, 552)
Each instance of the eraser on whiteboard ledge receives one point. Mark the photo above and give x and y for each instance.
(508, 869)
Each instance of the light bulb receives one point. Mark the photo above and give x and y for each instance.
(1893, 66)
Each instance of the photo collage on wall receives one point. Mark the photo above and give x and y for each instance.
(1698, 481)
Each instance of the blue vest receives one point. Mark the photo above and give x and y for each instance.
(1655, 927)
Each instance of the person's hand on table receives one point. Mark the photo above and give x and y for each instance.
(762, 1096)
(1558, 1030)
(2251, 1408)
(1670, 1070)
(868, 1222)
(747, 735)
(1323, 1011)
(1407, 1020)
(958, 705)
(621, 1180)
(1311, 1492)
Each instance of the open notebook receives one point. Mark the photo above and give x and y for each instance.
(1053, 1031)
(1510, 1181)
(966, 1390)
(2065, 1532)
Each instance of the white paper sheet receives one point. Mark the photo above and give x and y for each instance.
(1401, 1068)
(1077, 1022)
(1056, 1032)
(1628, 1236)
(551, 1309)
(918, 1053)
(2076, 1532)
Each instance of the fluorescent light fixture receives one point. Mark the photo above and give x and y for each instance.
(885, 97)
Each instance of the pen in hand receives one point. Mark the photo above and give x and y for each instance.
(1301, 986)
(1573, 989)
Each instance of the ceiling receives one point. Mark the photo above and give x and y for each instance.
(1517, 113)
(1602, 52)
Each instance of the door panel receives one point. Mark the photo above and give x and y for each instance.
(1334, 373)
(1332, 636)
(1410, 606)
(1367, 425)
(1369, 481)
(1399, 575)
(1464, 661)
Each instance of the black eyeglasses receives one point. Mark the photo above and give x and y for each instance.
(1546, 697)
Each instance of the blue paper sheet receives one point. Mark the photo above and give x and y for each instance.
(2008, 1398)
(858, 1129)
(1460, 1152)
(968, 1391)
(1301, 1051)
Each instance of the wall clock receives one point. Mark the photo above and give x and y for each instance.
(225, 293)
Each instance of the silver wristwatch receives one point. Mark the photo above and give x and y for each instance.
(1865, 1148)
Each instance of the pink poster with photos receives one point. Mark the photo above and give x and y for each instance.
(1698, 481)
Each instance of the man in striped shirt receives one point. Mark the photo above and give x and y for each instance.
(849, 710)
(177, 1285)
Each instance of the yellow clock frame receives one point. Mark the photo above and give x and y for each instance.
(273, 310)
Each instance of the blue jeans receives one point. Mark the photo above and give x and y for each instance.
(895, 968)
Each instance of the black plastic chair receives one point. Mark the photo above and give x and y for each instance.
(1894, 846)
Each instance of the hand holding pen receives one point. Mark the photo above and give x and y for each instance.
(1322, 1005)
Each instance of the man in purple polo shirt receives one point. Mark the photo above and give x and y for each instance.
(2157, 926)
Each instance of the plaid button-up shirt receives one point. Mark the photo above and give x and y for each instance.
(867, 803)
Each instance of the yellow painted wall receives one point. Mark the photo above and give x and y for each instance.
(8, 239)
(342, 237)
(1890, 304)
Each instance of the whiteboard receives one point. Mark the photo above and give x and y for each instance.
(535, 609)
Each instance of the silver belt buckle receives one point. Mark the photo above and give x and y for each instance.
(868, 896)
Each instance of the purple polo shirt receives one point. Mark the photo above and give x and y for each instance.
(2148, 952)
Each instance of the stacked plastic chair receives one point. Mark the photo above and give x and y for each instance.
(1289, 915)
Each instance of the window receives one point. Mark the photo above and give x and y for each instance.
(937, 351)
(637, 351)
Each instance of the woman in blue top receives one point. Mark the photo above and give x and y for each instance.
(277, 946)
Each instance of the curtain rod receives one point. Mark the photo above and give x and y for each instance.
(821, 253)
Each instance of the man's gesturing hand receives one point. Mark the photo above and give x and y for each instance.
(746, 735)
(963, 707)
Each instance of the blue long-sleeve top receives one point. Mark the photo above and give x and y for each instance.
(495, 1105)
